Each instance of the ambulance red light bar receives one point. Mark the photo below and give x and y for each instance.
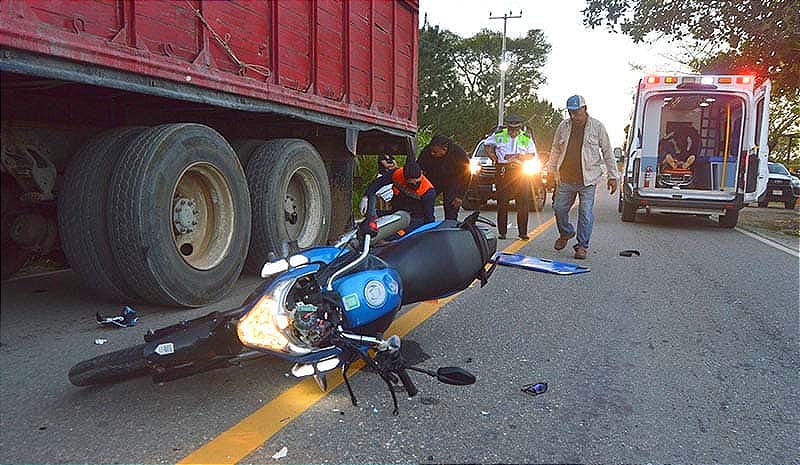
(744, 79)
(653, 79)
(670, 80)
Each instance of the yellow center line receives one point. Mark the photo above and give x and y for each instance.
(249, 434)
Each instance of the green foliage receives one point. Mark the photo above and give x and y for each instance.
(459, 83)
(727, 37)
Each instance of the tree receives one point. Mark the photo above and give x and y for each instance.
(459, 82)
(760, 37)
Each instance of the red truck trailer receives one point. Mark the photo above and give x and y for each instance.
(165, 146)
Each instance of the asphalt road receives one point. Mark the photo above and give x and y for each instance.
(688, 353)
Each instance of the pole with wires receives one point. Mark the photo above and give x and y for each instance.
(503, 65)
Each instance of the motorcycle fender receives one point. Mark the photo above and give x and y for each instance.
(191, 344)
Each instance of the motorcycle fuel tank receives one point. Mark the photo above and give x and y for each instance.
(369, 295)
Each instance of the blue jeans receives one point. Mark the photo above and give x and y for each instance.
(563, 199)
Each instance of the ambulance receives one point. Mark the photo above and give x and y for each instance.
(697, 145)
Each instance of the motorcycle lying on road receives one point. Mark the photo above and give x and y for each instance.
(322, 308)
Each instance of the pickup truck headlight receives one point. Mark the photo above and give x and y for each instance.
(474, 166)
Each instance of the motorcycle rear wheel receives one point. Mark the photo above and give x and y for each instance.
(113, 367)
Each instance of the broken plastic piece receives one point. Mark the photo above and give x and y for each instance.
(281, 453)
(535, 389)
(537, 264)
(127, 318)
(629, 253)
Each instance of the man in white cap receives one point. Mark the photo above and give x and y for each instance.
(580, 148)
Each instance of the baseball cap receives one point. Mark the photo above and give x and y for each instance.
(575, 102)
(514, 121)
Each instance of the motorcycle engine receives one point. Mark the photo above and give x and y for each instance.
(307, 309)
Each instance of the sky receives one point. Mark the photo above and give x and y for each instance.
(595, 63)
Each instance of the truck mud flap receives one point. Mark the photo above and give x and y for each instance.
(537, 264)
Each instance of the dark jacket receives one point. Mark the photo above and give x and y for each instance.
(417, 202)
(450, 173)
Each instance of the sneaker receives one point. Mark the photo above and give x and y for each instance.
(524, 237)
(502, 236)
(561, 242)
(580, 252)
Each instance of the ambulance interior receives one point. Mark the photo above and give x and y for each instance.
(697, 141)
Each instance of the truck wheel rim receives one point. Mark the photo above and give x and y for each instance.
(203, 219)
(302, 208)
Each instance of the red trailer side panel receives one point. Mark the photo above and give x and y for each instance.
(353, 59)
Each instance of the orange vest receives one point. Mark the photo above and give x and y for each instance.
(424, 185)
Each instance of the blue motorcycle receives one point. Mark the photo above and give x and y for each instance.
(322, 308)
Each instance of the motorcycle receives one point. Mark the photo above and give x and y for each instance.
(322, 308)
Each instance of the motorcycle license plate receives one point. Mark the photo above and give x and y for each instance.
(777, 192)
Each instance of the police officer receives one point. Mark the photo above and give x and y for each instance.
(508, 148)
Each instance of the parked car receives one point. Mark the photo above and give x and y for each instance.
(781, 187)
(482, 187)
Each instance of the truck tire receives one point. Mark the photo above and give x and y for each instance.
(14, 256)
(180, 215)
(790, 204)
(82, 214)
(729, 219)
(291, 198)
(628, 212)
(244, 149)
(538, 198)
(110, 368)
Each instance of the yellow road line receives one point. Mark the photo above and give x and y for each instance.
(249, 434)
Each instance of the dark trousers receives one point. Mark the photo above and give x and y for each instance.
(512, 184)
(450, 212)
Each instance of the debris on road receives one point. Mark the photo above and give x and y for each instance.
(281, 453)
(126, 319)
(629, 253)
(100, 341)
(534, 389)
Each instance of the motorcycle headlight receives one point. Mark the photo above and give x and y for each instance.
(474, 166)
(267, 324)
(531, 166)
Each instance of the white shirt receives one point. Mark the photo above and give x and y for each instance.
(512, 146)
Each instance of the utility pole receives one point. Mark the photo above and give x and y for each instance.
(503, 65)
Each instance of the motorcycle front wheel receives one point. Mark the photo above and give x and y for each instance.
(113, 367)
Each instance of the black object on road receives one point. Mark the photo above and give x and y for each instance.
(629, 253)
(127, 318)
(535, 389)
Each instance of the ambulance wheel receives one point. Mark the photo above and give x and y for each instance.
(729, 219)
(628, 212)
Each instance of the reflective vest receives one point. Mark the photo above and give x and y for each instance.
(424, 184)
(505, 146)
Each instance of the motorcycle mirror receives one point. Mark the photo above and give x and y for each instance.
(455, 376)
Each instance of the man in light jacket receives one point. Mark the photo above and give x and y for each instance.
(580, 149)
